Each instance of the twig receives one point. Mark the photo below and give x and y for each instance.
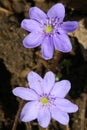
(7, 12)
(17, 115)
(83, 111)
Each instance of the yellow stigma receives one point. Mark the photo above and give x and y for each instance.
(44, 100)
(49, 29)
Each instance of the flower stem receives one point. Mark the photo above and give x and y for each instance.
(56, 60)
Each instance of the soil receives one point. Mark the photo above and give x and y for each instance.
(16, 62)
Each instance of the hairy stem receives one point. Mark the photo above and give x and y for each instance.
(56, 60)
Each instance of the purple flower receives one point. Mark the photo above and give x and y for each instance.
(45, 99)
(49, 30)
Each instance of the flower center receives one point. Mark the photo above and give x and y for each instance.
(48, 29)
(45, 100)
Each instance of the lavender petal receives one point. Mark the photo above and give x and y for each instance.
(61, 88)
(25, 93)
(44, 117)
(65, 105)
(29, 111)
(32, 40)
(69, 26)
(60, 116)
(57, 11)
(62, 43)
(31, 25)
(37, 14)
(47, 48)
(35, 82)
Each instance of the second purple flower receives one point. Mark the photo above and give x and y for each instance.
(46, 99)
(48, 30)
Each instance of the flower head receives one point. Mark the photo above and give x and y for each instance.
(46, 99)
(48, 30)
